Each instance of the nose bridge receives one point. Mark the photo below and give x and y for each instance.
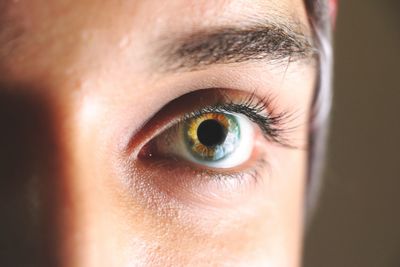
(31, 179)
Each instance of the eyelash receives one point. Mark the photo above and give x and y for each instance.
(273, 126)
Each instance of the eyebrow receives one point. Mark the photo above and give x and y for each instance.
(271, 42)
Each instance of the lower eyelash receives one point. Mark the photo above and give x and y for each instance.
(231, 180)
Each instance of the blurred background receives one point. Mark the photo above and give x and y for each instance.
(358, 220)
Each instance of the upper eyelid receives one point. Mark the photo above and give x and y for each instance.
(172, 112)
(221, 99)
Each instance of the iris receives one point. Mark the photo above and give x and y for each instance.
(212, 136)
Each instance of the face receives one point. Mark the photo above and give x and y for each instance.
(153, 133)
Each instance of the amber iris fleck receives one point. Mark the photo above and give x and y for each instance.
(212, 136)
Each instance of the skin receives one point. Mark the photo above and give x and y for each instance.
(78, 81)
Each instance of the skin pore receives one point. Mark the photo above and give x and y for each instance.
(85, 85)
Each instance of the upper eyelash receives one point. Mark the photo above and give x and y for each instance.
(273, 126)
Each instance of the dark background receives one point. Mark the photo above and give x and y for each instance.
(358, 220)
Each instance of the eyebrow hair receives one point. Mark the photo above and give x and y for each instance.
(272, 42)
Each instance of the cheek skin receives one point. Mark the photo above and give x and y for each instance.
(150, 229)
(262, 229)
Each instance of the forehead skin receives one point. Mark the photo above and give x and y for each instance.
(95, 60)
(38, 32)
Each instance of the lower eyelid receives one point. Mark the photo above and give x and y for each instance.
(188, 186)
(187, 182)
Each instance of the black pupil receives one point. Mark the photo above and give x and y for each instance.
(211, 133)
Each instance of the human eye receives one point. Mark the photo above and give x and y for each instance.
(213, 136)
(209, 138)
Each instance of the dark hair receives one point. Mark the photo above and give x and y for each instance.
(320, 22)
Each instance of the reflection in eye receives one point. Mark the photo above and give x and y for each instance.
(220, 135)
